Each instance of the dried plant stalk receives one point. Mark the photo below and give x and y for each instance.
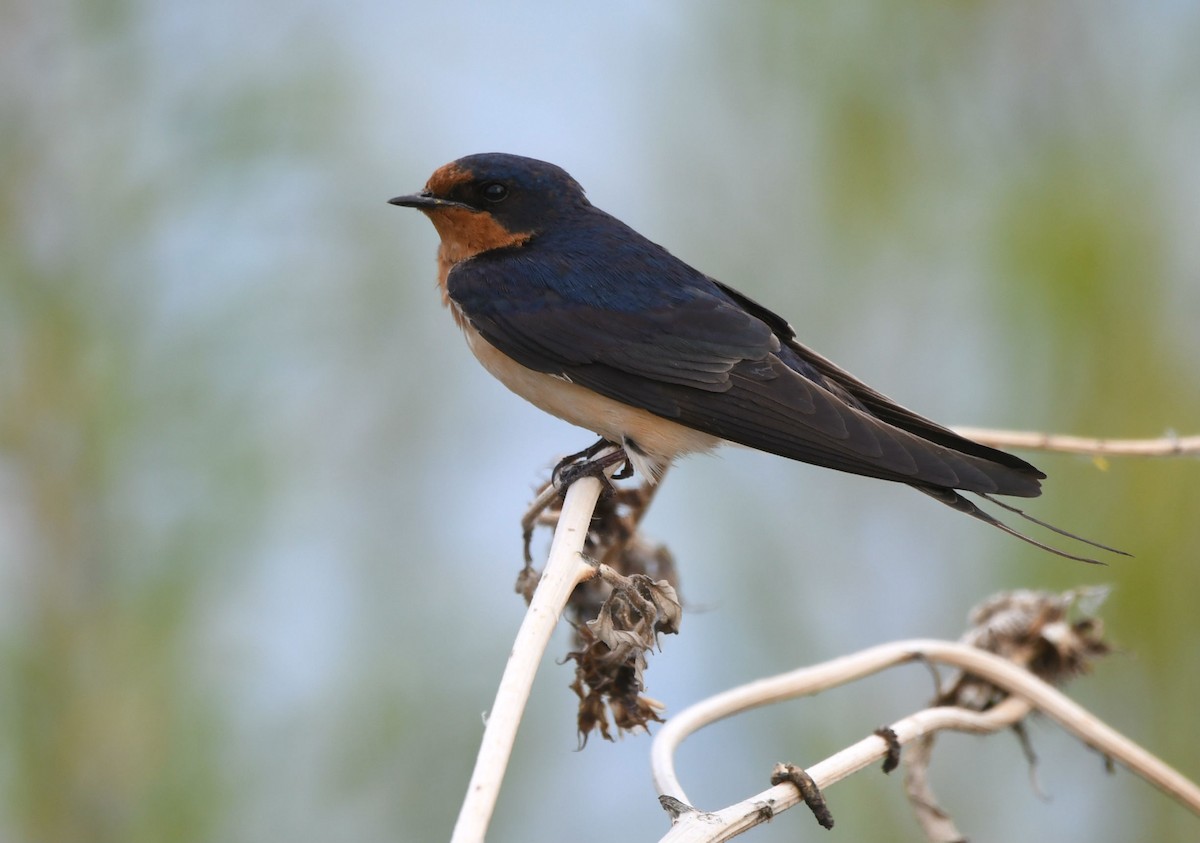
(565, 569)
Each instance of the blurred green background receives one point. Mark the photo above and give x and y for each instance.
(258, 505)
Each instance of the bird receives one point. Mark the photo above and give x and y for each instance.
(590, 321)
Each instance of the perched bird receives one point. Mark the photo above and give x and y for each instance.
(579, 314)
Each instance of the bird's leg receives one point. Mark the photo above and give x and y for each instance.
(567, 472)
(584, 456)
(626, 470)
(591, 461)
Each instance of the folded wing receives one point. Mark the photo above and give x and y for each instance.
(695, 352)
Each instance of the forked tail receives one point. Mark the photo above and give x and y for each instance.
(953, 499)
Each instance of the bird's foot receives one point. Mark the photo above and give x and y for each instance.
(586, 454)
(592, 462)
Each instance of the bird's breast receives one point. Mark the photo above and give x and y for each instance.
(463, 235)
(446, 262)
(661, 440)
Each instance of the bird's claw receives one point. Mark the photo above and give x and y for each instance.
(592, 462)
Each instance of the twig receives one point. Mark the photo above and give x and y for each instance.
(1166, 446)
(1029, 691)
(565, 568)
(643, 496)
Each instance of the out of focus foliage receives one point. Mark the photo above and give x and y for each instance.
(258, 506)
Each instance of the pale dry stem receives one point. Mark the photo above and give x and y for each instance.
(1164, 446)
(694, 826)
(565, 568)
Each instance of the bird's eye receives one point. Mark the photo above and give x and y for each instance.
(494, 192)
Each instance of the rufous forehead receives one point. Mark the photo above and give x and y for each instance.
(446, 178)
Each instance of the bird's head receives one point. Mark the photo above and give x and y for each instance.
(494, 200)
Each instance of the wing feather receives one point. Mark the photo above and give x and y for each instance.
(698, 353)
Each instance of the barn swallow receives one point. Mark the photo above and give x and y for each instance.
(585, 318)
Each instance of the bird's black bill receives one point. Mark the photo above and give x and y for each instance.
(423, 200)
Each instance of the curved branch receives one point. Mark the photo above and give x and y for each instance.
(1029, 692)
